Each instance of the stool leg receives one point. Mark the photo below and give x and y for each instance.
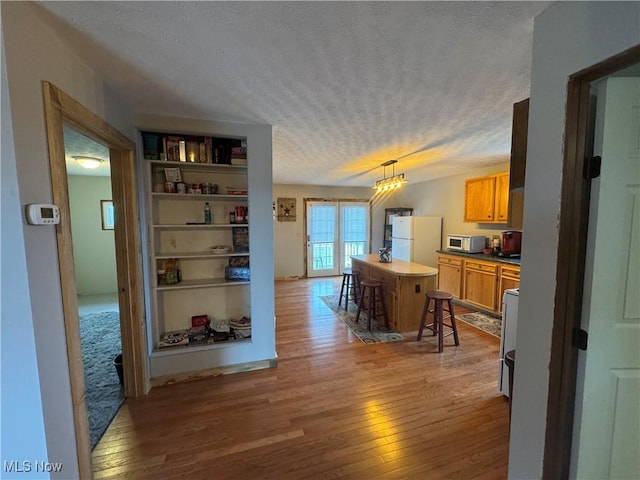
(372, 307)
(384, 310)
(360, 304)
(437, 323)
(355, 288)
(453, 323)
(346, 292)
(344, 279)
(423, 320)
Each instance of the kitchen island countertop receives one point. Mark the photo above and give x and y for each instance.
(397, 267)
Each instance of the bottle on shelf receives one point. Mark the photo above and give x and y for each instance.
(207, 213)
(232, 217)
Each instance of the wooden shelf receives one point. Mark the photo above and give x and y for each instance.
(201, 283)
(204, 167)
(200, 226)
(163, 352)
(194, 255)
(195, 197)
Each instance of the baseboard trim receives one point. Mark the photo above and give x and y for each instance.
(213, 372)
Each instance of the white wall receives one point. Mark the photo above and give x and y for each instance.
(567, 37)
(288, 242)
(22, 436)
(34, 53)
(94, 250)
(442, 197)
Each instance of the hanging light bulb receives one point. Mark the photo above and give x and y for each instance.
(390, 183)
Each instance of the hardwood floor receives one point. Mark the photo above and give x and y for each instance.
(333, 408)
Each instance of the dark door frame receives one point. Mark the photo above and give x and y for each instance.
(574, 213)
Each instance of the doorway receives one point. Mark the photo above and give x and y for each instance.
(60, 110)
(594, 388)
(94, 256)
(335, 230)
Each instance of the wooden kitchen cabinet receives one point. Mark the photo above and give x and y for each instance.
(481, 283)
(450, 275)
(487, 199)
(509, 277)
(479, 199)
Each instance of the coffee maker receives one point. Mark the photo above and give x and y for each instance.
(510, 244)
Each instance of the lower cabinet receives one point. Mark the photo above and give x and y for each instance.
(450, 275)
(478, 282)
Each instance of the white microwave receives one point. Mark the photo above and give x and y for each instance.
(466, 243)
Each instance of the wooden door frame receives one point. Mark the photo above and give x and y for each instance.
(572, 244)
(61, 109)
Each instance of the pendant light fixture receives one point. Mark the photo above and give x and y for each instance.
(88, 162)
(391, 183)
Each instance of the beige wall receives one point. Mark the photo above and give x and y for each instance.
(288, 242)
(94, 250)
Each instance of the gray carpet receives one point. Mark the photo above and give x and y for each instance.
(100, 339)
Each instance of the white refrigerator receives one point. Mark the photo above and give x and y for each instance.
(416, 239)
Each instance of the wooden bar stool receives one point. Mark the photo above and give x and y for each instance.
(437, 326)
(350, 288)
(373, 291)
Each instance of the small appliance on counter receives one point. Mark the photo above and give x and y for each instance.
(510, 244)
(466, 243)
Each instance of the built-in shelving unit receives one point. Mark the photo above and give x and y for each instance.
(188, 273)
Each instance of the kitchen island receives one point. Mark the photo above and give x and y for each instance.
(404, 285)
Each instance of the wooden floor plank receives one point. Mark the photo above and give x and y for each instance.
(332, 408)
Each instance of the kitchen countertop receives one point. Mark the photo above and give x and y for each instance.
(482, 256)
(397, 267)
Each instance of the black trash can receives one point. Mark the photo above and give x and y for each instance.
(117, 362)
(510, 361)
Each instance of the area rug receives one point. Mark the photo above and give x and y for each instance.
(379, 332)
(100, 340)
(487, 323)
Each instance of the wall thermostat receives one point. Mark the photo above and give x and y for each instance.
(43, 214)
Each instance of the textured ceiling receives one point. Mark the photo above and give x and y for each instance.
(346, 85)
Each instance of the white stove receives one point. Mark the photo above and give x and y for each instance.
(508, 336)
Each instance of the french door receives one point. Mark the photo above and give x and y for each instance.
(335, 231)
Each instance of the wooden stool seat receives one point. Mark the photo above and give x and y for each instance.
(350, 288)
(373, 291)
(438, 324)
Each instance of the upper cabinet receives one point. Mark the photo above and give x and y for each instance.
(487, 199)
(519, 143)
(518, 162)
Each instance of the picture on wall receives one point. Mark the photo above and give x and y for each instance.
(286, 209)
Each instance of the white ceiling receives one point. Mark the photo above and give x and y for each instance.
(346, 85)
